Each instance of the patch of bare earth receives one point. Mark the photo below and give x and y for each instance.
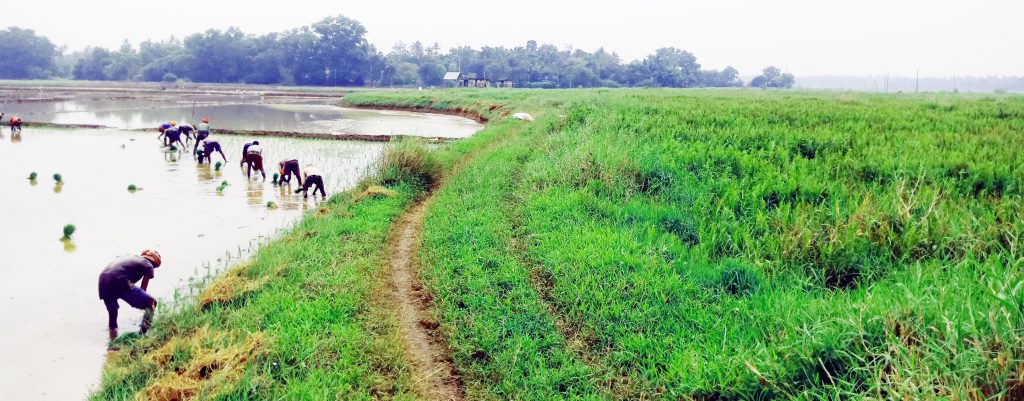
(434, 373)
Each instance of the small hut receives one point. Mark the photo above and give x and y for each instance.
(453, 79)
(458, 80)
(475, 83)
(504, 83)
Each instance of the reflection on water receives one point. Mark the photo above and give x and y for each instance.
(316, 116)
(254, 192)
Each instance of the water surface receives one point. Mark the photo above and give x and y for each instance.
(240, 113)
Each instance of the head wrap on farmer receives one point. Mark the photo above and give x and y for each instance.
(152, 256)
(206, 120)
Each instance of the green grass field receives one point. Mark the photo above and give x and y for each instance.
(735, 245)
(660, 244)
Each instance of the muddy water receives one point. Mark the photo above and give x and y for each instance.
(54, 335)
(240, 113)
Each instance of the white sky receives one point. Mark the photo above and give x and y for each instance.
(805, 37)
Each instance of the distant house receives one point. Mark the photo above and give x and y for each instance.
(475, 82)
(458, 80)
(504, 83)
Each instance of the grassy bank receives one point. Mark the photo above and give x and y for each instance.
(648, 244)
(306, 318)
(299, 321)
(734, 245)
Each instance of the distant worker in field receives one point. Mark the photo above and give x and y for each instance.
(172, 135)
(287, 169)
(117, 282)
(15, 124)
(186, 130)
(312, 178)
(202, 132)
(245, 151)
(208, 148)
(163, 127)
(254, 160)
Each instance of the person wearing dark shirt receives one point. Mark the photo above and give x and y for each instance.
(117, 282)
(173, 135)
(288, 168)
(313, 180)
(186, 131)
(208, 148)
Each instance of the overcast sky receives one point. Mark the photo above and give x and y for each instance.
(805, 37)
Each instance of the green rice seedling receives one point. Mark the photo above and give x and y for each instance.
(69, 229)
(224, 183)
(173, 148)
(32, 176)
(132, 188)
(271, 205)
(58, 178)
(274, 179)
(216, 166)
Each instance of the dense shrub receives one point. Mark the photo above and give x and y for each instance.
(409, 160)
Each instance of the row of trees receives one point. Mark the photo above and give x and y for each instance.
(335, 51)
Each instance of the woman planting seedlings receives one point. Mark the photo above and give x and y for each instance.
(254, 160)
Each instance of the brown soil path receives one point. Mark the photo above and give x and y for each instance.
(434, 373)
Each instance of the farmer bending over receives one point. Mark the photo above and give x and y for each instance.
(288, 168)
(186, 130)
(15, 124)
(172, 135)
(208, 148)
(313, 178)
(254, 160)
(117, 281)
(202, 132)
(245, 151)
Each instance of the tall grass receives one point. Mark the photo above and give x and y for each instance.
(737, 245)
(410, 161)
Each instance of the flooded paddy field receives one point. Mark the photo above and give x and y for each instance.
(55, 336)
(238, 112)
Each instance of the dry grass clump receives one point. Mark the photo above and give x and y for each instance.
(204, 364)
(377, 191)
(233, 285)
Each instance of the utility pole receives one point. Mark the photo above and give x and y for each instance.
(917, 81)
(887, 82)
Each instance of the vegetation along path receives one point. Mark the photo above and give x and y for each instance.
(635, 244)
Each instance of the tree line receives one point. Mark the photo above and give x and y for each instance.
(335, 52)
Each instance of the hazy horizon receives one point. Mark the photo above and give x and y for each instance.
(938, 38)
